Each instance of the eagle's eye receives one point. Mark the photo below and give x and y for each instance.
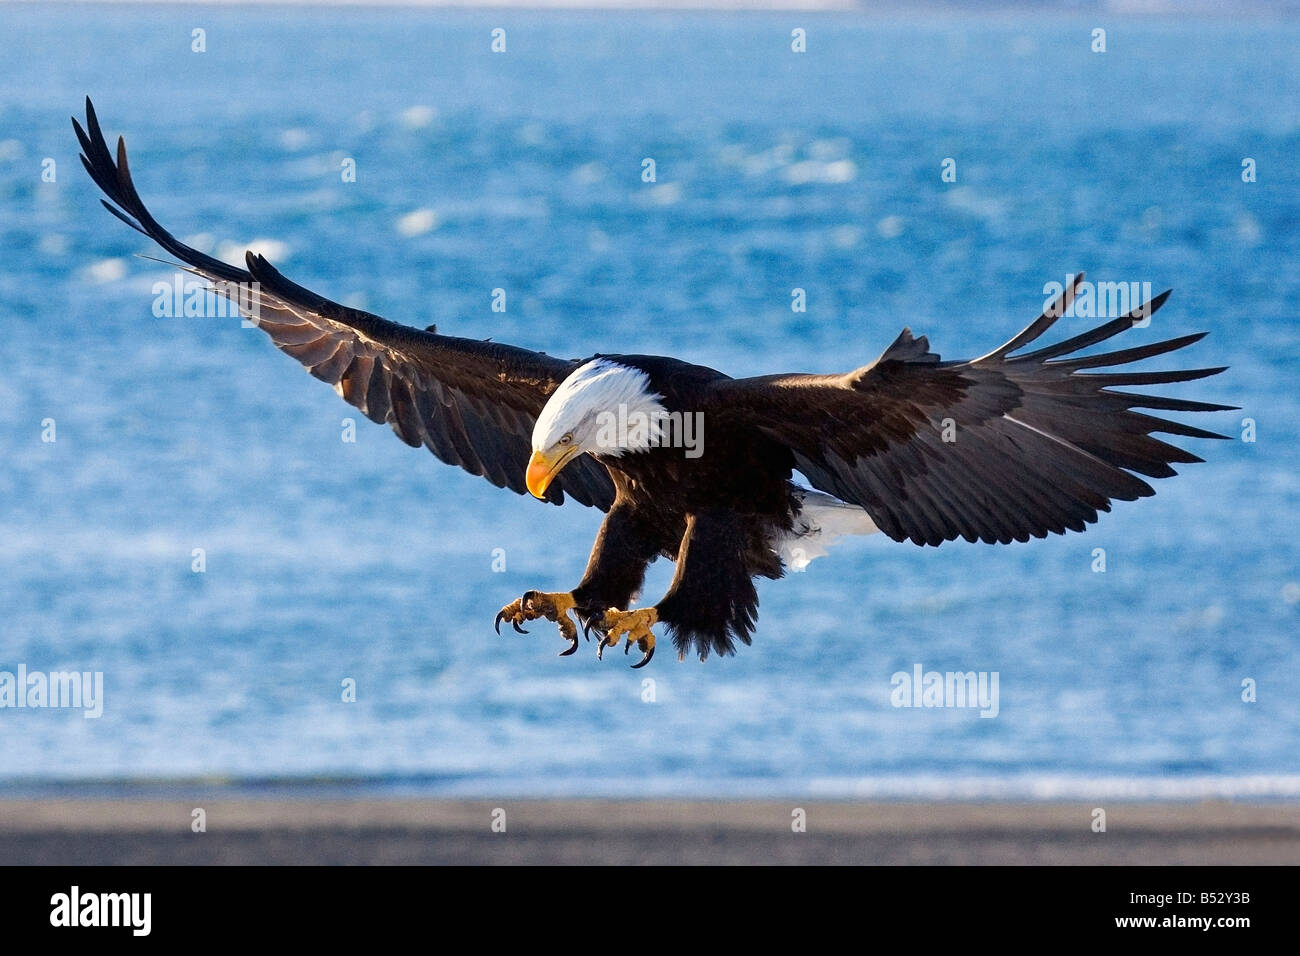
(566, 439)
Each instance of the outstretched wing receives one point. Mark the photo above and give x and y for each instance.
(994, 449)
(472, 403)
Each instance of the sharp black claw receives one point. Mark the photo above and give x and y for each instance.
(570, 649)
(600, 648)
(645, 660)
(515, 625)
(497, 623)
(586, 628)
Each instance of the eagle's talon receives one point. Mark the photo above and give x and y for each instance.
(636, 625)
(538, 604)
(649, 653)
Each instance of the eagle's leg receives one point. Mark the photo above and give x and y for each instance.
(536, 604)
(712, 601)
(628, 541)
(636, 625)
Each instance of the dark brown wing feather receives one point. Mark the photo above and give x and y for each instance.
(1039, 447)
(472, 403)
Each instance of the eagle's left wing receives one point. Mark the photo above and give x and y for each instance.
(995, 449)
(472, 403)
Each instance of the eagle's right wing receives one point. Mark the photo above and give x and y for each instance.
(999, 448)
(472, 403)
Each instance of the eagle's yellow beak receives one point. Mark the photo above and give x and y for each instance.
(542, 470)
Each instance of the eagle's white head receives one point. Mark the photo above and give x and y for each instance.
(577, 418)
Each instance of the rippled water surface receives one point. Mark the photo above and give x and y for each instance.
(328, 560)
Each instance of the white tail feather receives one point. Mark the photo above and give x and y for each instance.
(822, 522)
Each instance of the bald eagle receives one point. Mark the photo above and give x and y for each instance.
(690, 464)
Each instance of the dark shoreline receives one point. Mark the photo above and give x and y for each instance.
(435, 831)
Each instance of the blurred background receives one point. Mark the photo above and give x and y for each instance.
(775, 170)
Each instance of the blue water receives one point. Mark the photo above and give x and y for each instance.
(371, 561)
